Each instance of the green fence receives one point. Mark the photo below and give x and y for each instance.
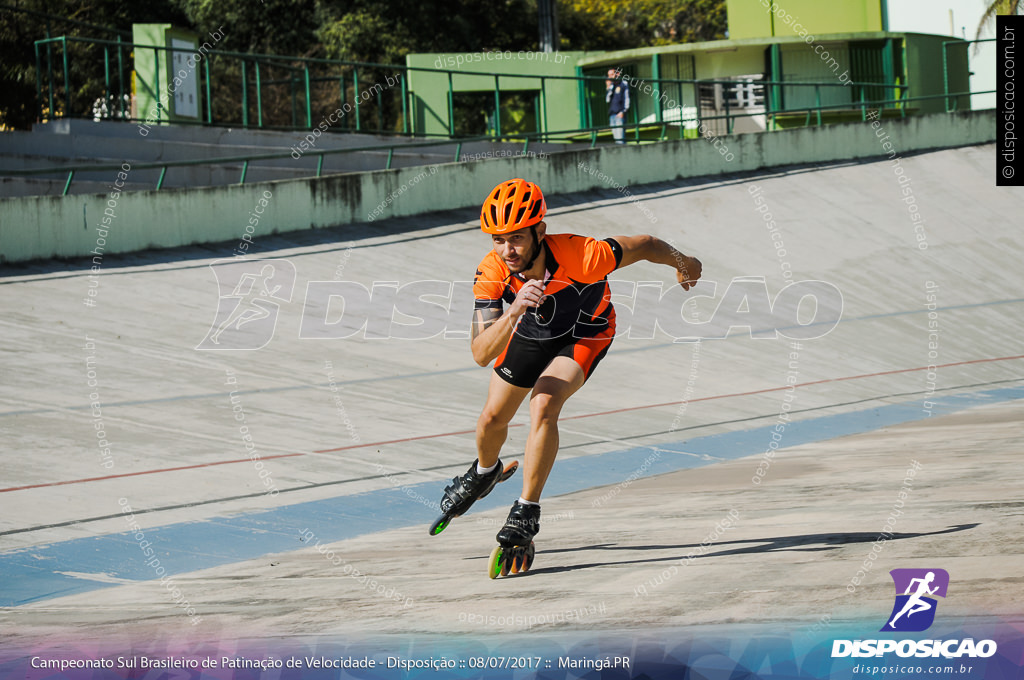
(958, 101)
(78, 76)
(92, 78)
(288, 93)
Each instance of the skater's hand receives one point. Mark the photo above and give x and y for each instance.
(688, 273)
(529, 295)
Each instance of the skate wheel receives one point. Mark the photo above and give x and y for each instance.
(494, 564)
(440, 525)
(506, 561)
(517, 561)
(528, 558)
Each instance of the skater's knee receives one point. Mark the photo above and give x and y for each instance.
(545, 408)
(491, 419)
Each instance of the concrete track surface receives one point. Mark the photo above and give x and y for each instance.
(663, 509)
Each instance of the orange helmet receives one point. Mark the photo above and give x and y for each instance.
(515, 204)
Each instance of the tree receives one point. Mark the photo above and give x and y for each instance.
(285, 27)
(25, 21)
(379, 31)
(618, 24)
(998, 7)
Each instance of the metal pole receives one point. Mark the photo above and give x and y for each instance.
(120, 78)
(544, 107)
(106, 76)
(39, 86)
(590, 106)
(451, 109)
(497, 107)
(728, 119)
(355, 96)
(405, 107)
(581, 97)
(696, 100)
(49, 65)
(67, 79)
(309, 100)
(636, 124)
(656, 69)
(259, 97)
(945, 74)
(887, 64)
(209, 99)
(245, 101)
(380, 109)
(156, 83)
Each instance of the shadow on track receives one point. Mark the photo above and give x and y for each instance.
(803, 543)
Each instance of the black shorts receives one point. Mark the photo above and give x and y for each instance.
(524, 359)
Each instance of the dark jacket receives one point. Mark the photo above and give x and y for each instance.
(617, 97)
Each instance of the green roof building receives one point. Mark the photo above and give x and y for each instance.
(808, 62)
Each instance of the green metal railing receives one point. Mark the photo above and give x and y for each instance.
(237, 87)
(945, 70)
(687, 128)
(299, 78)
(303, 86)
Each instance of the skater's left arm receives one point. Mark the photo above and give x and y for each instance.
(653, 249)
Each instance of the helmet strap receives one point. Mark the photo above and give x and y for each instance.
(536, 247)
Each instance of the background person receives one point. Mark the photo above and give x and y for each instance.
(617, 96)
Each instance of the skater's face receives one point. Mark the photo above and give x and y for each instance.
(517, 249)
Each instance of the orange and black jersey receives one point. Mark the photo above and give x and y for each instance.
(577, 298)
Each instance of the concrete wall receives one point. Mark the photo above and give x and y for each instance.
(46, 227)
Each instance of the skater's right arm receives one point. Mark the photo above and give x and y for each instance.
(492, 328)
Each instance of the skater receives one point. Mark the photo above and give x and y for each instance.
(557, 327)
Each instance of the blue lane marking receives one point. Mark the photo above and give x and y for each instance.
(33, 574)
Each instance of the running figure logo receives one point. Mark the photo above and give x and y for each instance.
(914, 610)
(250, 295)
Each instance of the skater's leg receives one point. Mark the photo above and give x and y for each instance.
(503, 400)
(560, 380)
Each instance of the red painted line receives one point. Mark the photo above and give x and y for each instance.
(147, 472)
(396, 441)
(584, 415)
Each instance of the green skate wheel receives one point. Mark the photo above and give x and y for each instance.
(495, 564)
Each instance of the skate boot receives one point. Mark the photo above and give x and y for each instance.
(460, 495)
(515, 551)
